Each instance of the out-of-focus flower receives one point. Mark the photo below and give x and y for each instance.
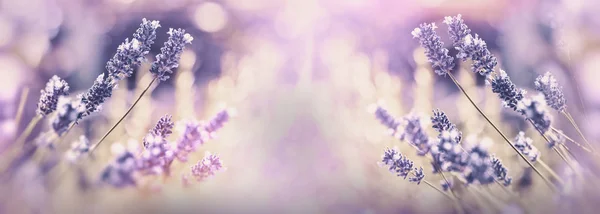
(97, 95)
(501, 172)
(446, 185)
(555, 137)
(78, 149)
(197, 133)
(158, 154)
(448, 155)
(547, 85)
(164, 127)
(534, 109)
(525, 146)
(415, 134)
(207, 167)
(479, 169)
(48, 102)
(120, 173)
(437, 55)
(217, 122)
(506, 90)
(170, 53)
(69, 110)
(387, 119)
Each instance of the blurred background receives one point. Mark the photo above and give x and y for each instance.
(301, 75)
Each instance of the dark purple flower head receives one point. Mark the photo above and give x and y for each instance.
(457, 29)
(535, 110)
(131, 53)
(525, 146)
(501, 172)
(437, 55)
(170, 53)
(547, 85)
(401, 165)
(207, 167)
(100, 91)
(164, 127)
(506, 90)
(48, 102)
(441, 123)
(68, 112)
(415, 134)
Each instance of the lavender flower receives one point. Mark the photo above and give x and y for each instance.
(170, 54)
(158, 154)
(401, 165)
(193, 136)
(524, 145)
(68, 112)
(97, 94)
(120, 173)
(131, 53)
(501, 172)
(217, 122)
(78, 149)
(387, 119)
(535, 110)
(164, 127)
(479, 169)
(437, 55)
(48, 102)
(469, 46)
(506, 90)
(415, 134)
(207, 167)
(547, 85)
(441, 123)
(457, 29)
(448, 153)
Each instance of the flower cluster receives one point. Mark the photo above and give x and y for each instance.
(415, 134)
(437, 55)
(525, 146)
(131, 53)
(100, 91)
(48, 102)
(506, 90)
(547, 85)
(170, 53)
(501, 172)
(78, 149)
(441, 123)
(448, 155)
(479, 168)
(120, 173)
(68, 112)
(469, 46)
(207, 167)
(387, 119)
(158, 154)
(534, 109)
(402, 166)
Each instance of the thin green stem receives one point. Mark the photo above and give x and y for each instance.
(570, 118)
(123, 117)
(548, 182)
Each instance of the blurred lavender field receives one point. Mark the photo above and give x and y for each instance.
(277, 106)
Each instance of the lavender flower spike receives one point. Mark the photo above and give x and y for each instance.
(207, 167)
(387, 119)
(506, 90)
(401, 166)
(457, 29)
(164, 127)
(547, 85)
(535, 110)
(441, 123)
(524, 145)
(501, 172)
(97, 94)
(131, 53)
(170, 53)
(68, 112)
(437, 55)
(415, 134)
(48, 102)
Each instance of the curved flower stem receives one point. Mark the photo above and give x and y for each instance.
(573, 141)
(548, 182)
(22, 102)
(123, 117)
(570, 118)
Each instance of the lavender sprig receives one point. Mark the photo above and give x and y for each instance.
(401, 166)
(469, 46)
(131, 53)
(501, 172)
(164, 127)
(415, 134)
(437, 55)
(547, 85)
(69, 111)
(525, 145)
(100, 91)
(457, 29)
(506, 90)
(207, 167)
(387, 119)
(535, 111)
(197, 133)
(48, 102)
(441, 123)
(170, 53)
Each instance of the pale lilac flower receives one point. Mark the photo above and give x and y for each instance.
(120, 173)
(164, 127)
(547, 85)
(78, 149)
(48, 102)
(217, 122)
(470, 47)
(207, 167)
(534, 109)
(193, 135)
(525, 146)
(387, 119)
(170, 53)
(69, 111)
(157, 156)
(414, 133)
(437, 55)
(457, 29)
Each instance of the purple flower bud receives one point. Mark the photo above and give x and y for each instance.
(170, 53)
(547, 85)
(48, 102)
(437, 55)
